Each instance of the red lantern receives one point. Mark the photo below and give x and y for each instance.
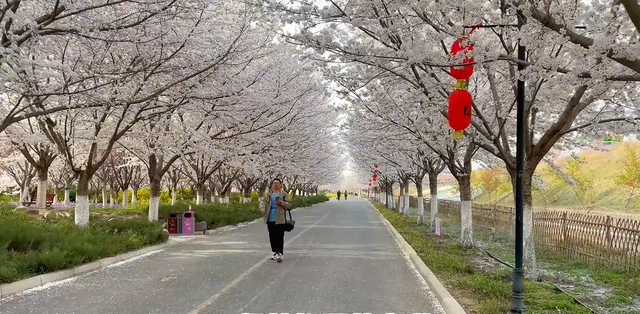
(369, 183)
(375, 166)
(462, 72)
(460, 103)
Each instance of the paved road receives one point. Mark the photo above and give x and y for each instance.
(339, 259)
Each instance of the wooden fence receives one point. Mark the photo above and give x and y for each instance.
(596, 239)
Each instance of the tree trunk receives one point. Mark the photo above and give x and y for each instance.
(112, 198)
(406, 196)
(67, 191)
(433, 199)
(466, 217)
(227, 195)
(200, 195)
(529, 257)
(125, 198)
(529, 251)
(82, 200)
(391, 202)
(56, 191)
(154, 199)
(262, 190)
(43, 176)
(174, 196)
(420, 200)
(134, 196)
(104, 196)
(247, 195)
(401, 198)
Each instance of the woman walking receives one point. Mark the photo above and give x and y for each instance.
(274, 206)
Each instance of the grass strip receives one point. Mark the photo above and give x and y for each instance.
(477, 285)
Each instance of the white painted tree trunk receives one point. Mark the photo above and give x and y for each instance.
(125, 198)
(112, 199)
(23, 194)
(212, 198)
(174, 196)
(199, 198)
(82, 210)
(134, 197)
(433, 203)
(41, 199)
(529, 251)
(154, 204)
(466, 218)
(104, 197)
(406, 203)
(247, 199)
(226, 199)
(55, 197)
(420, 210)
(67, 200)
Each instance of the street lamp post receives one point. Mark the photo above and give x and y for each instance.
(517, 288)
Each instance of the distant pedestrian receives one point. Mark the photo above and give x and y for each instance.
(273, 207)
(345, 195)
(339, 193)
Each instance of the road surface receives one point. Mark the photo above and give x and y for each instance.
(339, 259)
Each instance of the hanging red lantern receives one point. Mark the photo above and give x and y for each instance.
(369, 183)
(460, 101)
(460, 104)
(462, 72)
(375, 166)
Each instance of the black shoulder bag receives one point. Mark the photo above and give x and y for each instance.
(288, 224)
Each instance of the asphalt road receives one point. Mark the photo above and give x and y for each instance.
(339, 259)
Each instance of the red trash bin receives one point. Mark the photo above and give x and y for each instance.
(172, 223)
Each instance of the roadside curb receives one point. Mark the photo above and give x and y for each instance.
(450, 305)
(40, 280)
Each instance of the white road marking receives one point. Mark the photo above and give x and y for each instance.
(244, 275)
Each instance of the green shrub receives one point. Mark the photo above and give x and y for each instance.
(217, 215)
(234, 198)
(30, 247)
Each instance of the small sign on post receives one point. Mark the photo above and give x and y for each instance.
(438, 230)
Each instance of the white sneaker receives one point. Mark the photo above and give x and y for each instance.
(274, 256)
(279, 258)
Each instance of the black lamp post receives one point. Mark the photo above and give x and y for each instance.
(517, 289)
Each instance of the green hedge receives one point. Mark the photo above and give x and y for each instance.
(218, 215)
(30, 246)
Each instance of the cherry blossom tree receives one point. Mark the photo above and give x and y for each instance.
(31, 76)
(22, 172)
(411, 40)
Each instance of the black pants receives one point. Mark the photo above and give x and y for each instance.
(276, 237)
